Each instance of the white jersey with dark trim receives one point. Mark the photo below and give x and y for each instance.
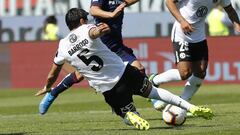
(195, 12)
(100, 66)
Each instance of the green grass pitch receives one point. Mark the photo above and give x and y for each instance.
(83, 112)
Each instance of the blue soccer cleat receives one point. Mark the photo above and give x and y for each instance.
(158, 104)
(46, 103)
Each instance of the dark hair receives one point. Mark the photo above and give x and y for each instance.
(73, 17)
(51, 19)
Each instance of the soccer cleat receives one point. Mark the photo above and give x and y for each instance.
(190, 115)
(203, 112)
(150, 78)
(158, 104)
(137, 121)
(45, 103)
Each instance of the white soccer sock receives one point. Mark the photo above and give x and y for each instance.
(168, 97)
(167, 76)
(191, 86)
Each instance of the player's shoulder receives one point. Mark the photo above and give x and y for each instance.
(88, 26)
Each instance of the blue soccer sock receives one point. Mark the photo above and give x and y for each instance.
(66, 83)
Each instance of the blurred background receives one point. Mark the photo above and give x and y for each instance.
(26, 51)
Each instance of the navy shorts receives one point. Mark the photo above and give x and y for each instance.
(125, 53)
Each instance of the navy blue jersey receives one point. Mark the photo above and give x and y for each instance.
(113, 39)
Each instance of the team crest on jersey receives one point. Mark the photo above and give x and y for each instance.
(202, 11)
(72, 38)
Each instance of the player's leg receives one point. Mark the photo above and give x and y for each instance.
(66, 83)
(195, 81)
(138, 65)
(171, 75)
(120, 99)
(199, 67)
(126, 54)
(182, 57)
(142, 86)
(168, 97)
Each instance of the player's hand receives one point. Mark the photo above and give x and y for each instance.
(42, 91)
(118, 10)
(103, 28)
(237, 27)
(186, 27)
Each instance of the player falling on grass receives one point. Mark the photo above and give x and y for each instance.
(111, 13)
(107, 73)
(190, 44)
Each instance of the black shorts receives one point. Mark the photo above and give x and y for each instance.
(132, 82)
(185, 51)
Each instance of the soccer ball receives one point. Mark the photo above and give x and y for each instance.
(173, 115)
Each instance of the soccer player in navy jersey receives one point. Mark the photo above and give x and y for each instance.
(111, 12)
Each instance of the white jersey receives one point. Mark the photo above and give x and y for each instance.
(195, 12)
(100, 66)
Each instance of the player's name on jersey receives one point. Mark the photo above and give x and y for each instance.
(77, 47)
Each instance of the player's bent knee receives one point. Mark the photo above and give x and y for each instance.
(185, 75)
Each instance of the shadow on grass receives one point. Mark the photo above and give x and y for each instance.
(13, 133)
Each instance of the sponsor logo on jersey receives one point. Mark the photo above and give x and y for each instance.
(114, 2)
(202, 11)
(182, 55)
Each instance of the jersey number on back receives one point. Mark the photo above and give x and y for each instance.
(87, 61)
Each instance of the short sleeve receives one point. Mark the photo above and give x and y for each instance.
(97, 3)
(59, 59)
(225, 3)
(88, 27)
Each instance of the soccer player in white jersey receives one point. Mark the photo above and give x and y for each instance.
(111, 13)
(107, 73)
(189, 43)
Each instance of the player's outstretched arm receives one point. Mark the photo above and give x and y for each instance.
(52, 77)
(101, 29)
(233, 16)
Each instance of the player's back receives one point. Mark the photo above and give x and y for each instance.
(101, 67)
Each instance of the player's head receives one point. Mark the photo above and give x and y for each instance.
(75, 17)
(51, 19)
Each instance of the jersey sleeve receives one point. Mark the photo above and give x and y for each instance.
(88, 28)
(225, 3)
(59, 59)
(97, 3)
